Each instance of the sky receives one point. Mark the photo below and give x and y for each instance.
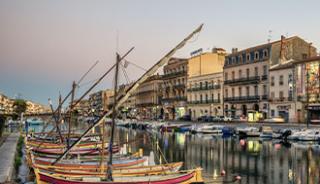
(45, 45)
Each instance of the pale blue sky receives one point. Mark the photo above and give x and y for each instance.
(44, 45)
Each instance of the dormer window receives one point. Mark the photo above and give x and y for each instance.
(248, 57)
(265, 53)
(256, 55)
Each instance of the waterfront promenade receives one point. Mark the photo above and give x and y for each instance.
(7, 153)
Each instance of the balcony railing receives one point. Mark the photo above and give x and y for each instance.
(175, 74)
(264, 77)
(218, 86)
(243, 99)
(264, 97)
(209, 101)
(179, 86)
(177, 98)
(243, 80)
(281, 99)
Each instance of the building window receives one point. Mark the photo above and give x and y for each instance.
(240, 92)
(232, 91)
(201, 98)
(256, 92)
(256, 56)
(265, 70)
(212, 96)
(265, 53)
(304, 56)
(256, 73)
(206, 84)
(248, 72)
(219, 96)
(272, 113)
(281, 95)
(248, 58)
(206, 97)
(264, 89)
(240, 74)
(272, 95)
(226, 76)
(232, 75)
(247, 91)
(233, 60)
(281, 80)
(200, 85)
(272, 80)
(226, 93)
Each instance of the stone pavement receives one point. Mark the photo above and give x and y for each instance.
(7, 153)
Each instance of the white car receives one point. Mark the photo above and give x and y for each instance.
(227, 119)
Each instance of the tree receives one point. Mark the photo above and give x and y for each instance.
(20, 106)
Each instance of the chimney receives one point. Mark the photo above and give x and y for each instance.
(234, 50)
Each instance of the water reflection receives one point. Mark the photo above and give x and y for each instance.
(256, 161)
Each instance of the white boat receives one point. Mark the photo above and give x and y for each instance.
(248, 132)
(310, 135)
(266, 132)
(210, 129)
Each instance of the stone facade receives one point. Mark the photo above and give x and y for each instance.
(205, 84)
(148, 97)
(246, 75)
(174, 88)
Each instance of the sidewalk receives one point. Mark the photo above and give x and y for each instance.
(7, 152)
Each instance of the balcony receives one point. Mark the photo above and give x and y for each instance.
(175, 74)
(209, 101)
(264, 97)
(243, 99)
(264, 77)
(177, 98)
(210, 87)
(179, 86)
(281, 99)
(243, 80)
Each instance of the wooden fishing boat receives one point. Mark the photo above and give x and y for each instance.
(133, 170)
(76, 151)
(182, 177)
(73, 164)
(84, 144)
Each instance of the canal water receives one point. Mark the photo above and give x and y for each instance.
(254, 160)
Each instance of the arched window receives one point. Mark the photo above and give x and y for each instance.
(256, 55)
(265, 53)
(248, 58)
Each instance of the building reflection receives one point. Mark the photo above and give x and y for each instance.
(254, 160)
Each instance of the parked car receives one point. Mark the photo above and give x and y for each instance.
(185, 118)
(202, 118)
(209, 118)
(275, 120)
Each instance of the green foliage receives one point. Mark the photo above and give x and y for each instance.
(20, 106)
(19, 153)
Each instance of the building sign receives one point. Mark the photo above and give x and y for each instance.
(196, 52)
(313, 107)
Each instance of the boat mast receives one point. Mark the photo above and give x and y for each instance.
(114, 114)
(74, 85)
(150, 72)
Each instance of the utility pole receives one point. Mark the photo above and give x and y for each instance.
(114, 114)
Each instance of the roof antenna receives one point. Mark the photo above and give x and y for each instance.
(269, 36)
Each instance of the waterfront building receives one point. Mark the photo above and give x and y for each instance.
(128, 108)
(281, 93)
(83, 107)
(99, 101)
(148, 97)
(6, 104)
(307, 73)
(246, 75)
(36, 108)
(174, 99)
(205, 84)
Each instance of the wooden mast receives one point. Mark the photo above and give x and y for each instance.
(74, 85)
(150, 72)
(114, 114)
